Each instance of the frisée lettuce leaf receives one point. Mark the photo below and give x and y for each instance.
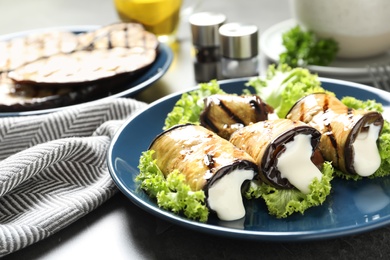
(284, 86)
(283, 202)
(188, 108)
(384, 151)
(357, 104)
(172, 193)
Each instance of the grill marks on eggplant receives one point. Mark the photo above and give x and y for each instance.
(230, 113)
(126, 35)
(328, 127)
(26, 97)
(265, 141)
(201, 155)
(338, 124)
(82, 67)
(224, 113)
(29, 82)
(105, 53)
(21, 50)
(209, 160)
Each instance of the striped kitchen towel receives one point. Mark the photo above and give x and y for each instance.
(53, 169)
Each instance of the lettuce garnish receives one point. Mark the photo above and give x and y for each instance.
(384, 151)
(172, 193)
(284, 86)
(188, 108)
(358, 104)
(306, 48)
(284, 202)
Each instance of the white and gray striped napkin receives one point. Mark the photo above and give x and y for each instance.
(53, 169)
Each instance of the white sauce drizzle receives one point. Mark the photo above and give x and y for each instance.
(272, 116)
(366, 155)
(225, 195)
(295, 164)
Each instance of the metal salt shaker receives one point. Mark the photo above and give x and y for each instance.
(239, 43)
(206, 43)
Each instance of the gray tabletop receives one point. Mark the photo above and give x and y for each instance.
(119, 229)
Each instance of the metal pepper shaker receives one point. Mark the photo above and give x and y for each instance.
(206, 43)
(239, 43)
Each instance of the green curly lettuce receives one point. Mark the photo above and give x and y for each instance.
(188, 108)
(284, 202)
(281, 88)
(284, 86)
(172, 193)
(384, 151)
(358, 104)
(305, 48)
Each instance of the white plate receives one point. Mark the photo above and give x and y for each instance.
(347, 69)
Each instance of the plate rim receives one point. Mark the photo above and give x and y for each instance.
(278, 236)
(331, 70)
(163, 61)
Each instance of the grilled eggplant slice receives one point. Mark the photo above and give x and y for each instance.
(107, 52)
(83, 67)
(284, 150)
(22, 50)
(27, 97)
(224, 113)
(125, 35)
(349, 137)
(210, 163)
(58, 68)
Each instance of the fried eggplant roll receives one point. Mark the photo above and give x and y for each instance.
(210, 163)
(224, 113)
(284, 150)
(349, 137)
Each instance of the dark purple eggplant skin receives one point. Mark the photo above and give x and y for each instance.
(128, 46)
(26, 95)
(57, 96)
(265, 141)
(225, 113)
(217, 156)
(338, 124)
(269, 162)
(373, 117)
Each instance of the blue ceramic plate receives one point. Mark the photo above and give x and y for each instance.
(351, 208)
(151, 75)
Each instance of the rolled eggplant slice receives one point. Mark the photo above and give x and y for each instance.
(349, 137)
(224, 114)
(209, 163)
(285, 151)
